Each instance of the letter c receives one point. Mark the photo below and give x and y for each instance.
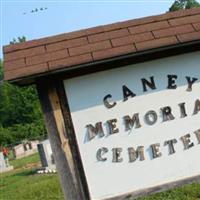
(100, 152)
(106, 102)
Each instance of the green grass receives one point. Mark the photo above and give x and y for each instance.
(187, 192)
(24, 184)
(26, 161)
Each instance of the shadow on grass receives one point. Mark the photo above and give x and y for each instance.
(26, 173)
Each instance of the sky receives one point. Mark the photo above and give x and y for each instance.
(16, 18)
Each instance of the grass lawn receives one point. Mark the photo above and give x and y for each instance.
(187, 192)
(24, 184)
(26, 161)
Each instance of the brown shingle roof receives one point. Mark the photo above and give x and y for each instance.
(89, 45)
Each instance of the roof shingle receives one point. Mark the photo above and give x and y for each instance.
(89, 45)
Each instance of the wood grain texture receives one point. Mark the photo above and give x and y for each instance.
(70, 135)
(61, 149)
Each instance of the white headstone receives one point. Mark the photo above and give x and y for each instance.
(2, 161)
(3, 167)
(46, 155)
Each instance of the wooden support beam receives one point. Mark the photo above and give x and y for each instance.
(61, 136)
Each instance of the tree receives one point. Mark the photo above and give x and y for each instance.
(192, 4)
(18, 40)
(1, 70)
(20, 112)
(184, 4)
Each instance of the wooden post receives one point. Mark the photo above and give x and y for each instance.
(67, 160)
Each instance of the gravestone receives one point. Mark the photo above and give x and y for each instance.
(4, 167)
(25, 149)
(46, 155)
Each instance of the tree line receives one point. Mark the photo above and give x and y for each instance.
(184, 4)
(20, 113)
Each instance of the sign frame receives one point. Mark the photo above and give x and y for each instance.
(61, 129)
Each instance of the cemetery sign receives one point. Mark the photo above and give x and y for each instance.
(137, 126)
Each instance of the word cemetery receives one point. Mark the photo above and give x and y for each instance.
(133, 153)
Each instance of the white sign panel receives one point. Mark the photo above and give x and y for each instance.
(138, 126)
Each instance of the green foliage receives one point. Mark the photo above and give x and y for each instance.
(184, 4)
(192, 4)
(1, 70)
(20, 114)
(18, 105)
(177, 5)
(18, 40)
(18, 132)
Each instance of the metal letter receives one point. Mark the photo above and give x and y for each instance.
(196, 107)
(106, 102)
(155, 150)
(127, 93)
(129, 122)
(197, 133)
(134, 154)
(186, 141)
(190, 83)
(167, 113)
(117, 154)
(171, 81)
(182, 109)
(170, 144)
(100, 153)
(151, 117)
(112, 126)
(150, 84)
(93, 131)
